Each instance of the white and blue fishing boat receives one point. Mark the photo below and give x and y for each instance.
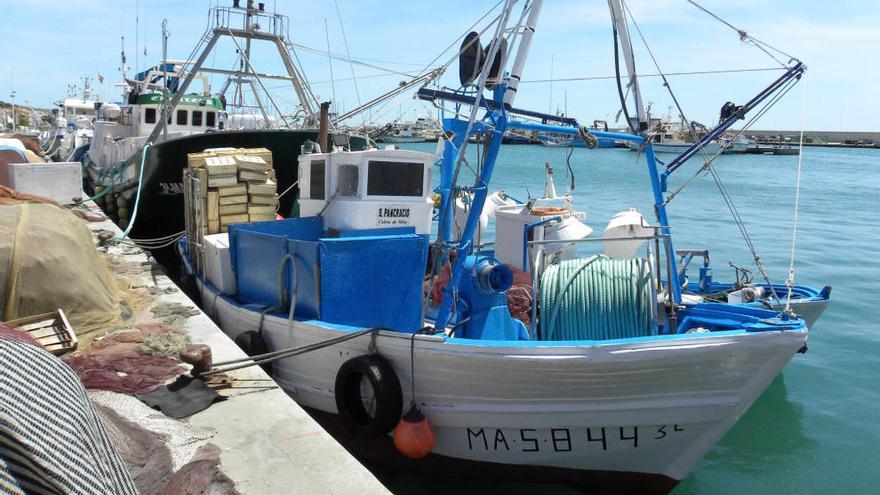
(614, 383)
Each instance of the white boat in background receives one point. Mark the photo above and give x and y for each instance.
(668, 136)
(402, 134)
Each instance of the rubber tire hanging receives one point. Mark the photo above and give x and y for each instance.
(387, 394)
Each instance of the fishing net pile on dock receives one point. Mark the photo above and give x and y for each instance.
(48, 261)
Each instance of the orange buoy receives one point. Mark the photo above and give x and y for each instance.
(413, 435)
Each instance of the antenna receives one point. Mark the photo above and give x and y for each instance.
(330, 61)
(550, 106)
(137, 22)
(165, 35)
(122, 58)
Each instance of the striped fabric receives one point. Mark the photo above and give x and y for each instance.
(51, 439)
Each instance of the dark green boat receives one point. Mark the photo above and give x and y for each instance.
(161, 209)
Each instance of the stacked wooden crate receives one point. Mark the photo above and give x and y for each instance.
(227, 186)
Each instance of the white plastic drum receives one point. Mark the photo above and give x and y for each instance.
(625, 224)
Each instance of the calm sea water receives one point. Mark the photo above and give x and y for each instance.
(817, 427)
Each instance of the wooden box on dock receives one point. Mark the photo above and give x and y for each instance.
(235, 209)
(233, 190)
(261, 210)
(213, 205)
(262, 189)
(263, 153)
(251, 176)
(197, 160)
(255, 199)
(233, 200)
(221, 165)
(230, 219)
(222, 180)
(251, 163)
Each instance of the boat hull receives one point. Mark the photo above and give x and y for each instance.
(160, 212)
(807, 302)
(638, 408)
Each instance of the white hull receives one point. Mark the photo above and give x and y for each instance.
(402, 139)
(679, 148)
(809, 310)
(660, 405)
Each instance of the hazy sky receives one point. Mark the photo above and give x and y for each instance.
(48, 44)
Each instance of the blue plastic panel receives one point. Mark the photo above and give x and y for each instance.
(257, 250)
(258, 264)
(308, 278)
(373, 281)
(304, 229)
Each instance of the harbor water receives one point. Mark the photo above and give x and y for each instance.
(816, 429)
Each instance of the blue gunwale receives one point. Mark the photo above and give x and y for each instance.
(789, 326)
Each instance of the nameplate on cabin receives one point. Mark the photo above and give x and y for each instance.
(392, 215)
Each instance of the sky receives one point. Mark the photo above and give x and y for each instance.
(50, 44)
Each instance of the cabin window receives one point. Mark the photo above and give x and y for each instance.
(395, 179)
(210, 119)
(181, 117)
(316, 179)
(347, 180)
(197, 118)
(150, 116)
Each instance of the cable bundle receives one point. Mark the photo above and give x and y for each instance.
(597, 298)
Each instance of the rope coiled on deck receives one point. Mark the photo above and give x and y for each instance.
(597, 298)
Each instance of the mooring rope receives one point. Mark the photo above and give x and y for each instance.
(283, 353)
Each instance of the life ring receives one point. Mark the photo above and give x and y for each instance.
(543, 211)
(387, 400)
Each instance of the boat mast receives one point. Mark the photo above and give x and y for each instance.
(619, 21)
(262, 26)
(522, 53)
(497, 125)
(620, 26)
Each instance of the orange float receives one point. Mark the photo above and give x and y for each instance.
(413, 436)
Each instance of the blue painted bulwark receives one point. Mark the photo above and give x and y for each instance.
(358, 279)
(373, 281)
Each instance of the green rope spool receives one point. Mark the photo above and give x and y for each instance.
(597, 298)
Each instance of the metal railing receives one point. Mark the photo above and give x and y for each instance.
(249, 18)
(669, 300)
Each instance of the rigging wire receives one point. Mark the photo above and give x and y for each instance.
(259, 79)
(728, 200)
(744, 36)
(350, 63)
(456, 40)
(668, 74)
(341, 58)
(748, 125)
(330, 61)
(797, 201)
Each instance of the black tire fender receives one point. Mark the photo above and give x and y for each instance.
(253, 344)
(388, 396)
